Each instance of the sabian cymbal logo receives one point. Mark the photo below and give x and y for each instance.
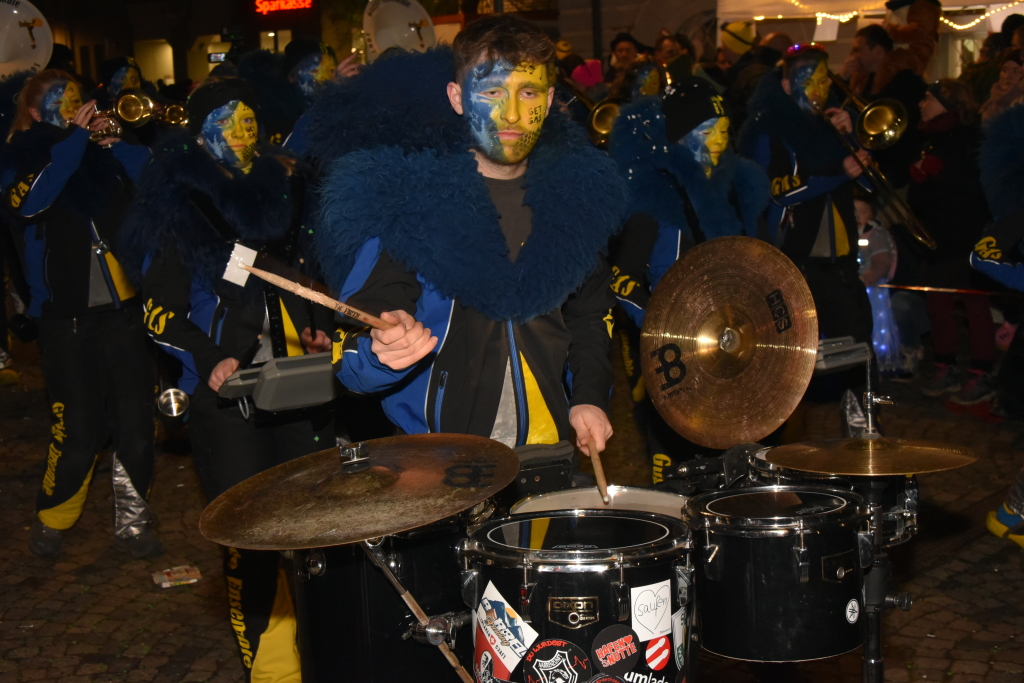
(573, 612)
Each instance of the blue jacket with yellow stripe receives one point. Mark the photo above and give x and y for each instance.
(70, 195)
(177, 238)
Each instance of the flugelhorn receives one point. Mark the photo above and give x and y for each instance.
(880, 125)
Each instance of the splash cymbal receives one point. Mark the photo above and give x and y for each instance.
(729, 342)
(879, 457)
(326, 499)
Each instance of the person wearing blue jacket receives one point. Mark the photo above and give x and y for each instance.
(69, 194)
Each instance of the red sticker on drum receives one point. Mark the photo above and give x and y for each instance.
(606, 678)
(502, 637)
(658, 652)
(556, 661)
(616, 649)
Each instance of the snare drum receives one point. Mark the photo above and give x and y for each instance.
(900, 500)
(549, 585)
(778, 571)
(622, 498)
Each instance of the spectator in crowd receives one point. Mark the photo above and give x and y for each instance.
(763, 58)
(946, 196)
(914, 26)
(877, 254)
(738, 39)
(1007, 91)
(625, 50)
(985, 71)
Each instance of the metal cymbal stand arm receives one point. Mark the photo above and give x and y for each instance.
(373, 552)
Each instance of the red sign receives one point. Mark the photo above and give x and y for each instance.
(265, 6)
(658, 653)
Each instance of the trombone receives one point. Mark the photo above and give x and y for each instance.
(135, 108)
(879, 125)
(602, 114)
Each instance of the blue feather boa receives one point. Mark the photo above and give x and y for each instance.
(1002, 164)
(653, 168)
(432, 212)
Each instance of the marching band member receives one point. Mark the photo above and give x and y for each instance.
(482, 240)
(70, 195)
(687, 186)
(203, 193)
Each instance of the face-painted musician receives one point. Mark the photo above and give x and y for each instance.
(687, 185)
(482, 241)
(207, 190)
(811, 216)
(69, 195)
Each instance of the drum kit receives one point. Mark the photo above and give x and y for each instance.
(404, 545)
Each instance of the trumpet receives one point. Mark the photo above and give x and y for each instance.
(135, 108)
(602, 114)
(880, 125)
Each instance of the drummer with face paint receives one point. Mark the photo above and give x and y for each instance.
(485, 253)
(208, 193)
(688, 186)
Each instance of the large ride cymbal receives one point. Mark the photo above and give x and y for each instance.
(729, 342)
(317, 500)
(879, 457)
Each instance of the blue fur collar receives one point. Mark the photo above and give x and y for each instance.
(655, 169)
(1002, 164)
(433, 214)
(256, 205)
(773, 112)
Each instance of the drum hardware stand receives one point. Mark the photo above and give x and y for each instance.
(440, 629)
(878, 593)
(620, 593)
(526, 594)
(355, 457)
(372, 549)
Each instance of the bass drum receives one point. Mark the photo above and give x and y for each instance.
(779, 571)
(622, 498)
(567, 595)
(354, 625)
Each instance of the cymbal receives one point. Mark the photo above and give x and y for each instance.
(879, 457)
(315, 501)
(729, 342)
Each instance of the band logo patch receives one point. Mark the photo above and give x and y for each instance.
(556, 661)
(988, 248)
(502, 637)
(780, 311)
(572, 612)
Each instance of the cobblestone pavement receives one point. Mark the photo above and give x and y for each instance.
(96, 616)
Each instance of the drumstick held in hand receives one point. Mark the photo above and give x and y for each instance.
(317, 297)
(602, 483)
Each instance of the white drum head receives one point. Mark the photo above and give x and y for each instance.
(622, 498)
(25, 39)
(397, 23)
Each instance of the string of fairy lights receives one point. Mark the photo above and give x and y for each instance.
(847, 16)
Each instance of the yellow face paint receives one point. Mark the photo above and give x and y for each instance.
(230, 133)
(817, 86)
(506, 106)
(325, 71)
(717, 139)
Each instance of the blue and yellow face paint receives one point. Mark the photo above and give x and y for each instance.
(316, 69)
(506, 105)
(125, 78)
(708, 141)
(810, 86)
(60, 103)
(230, 134)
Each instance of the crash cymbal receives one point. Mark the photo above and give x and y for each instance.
(318, 500)
(879, 457)
(729, 342)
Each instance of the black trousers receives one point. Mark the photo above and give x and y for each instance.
(229, 449)
(101, 379)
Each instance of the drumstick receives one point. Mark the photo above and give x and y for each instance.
(317, 297)
(602, 483)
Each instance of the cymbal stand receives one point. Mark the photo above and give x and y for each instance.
(377, 557)
(878, 593)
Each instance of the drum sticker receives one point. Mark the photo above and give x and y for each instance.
(606, 678)
(852, 611)
(485, 669)
(658, 653)
(615, 649)
(572, 612)
(651, 610)
(679, 636)
(502, 637)
(780, 311)
(556, 661)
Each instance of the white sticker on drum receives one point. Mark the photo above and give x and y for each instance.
(852, 611)
(501, 631)
(679, 636)
(651, 610)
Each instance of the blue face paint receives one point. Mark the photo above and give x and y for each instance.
(696, 142)
(60, 103)
(230, 134)
(802, 78)
(505, 106)
(305, 76)
(125, 78)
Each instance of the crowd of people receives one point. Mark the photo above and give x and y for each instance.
(455, 194)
